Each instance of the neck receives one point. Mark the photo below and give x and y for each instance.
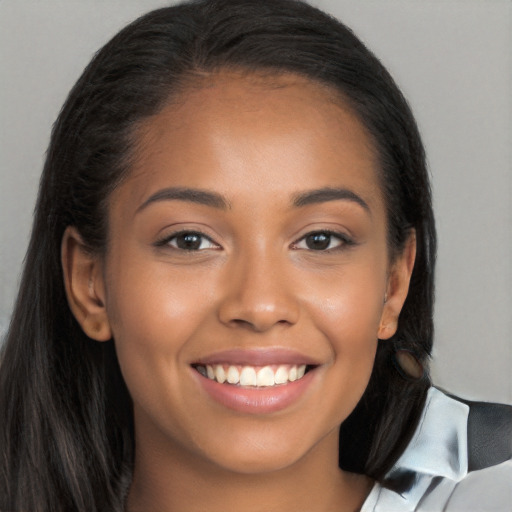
(175, 480)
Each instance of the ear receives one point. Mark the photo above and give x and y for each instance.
(397, 288)
(85, 287)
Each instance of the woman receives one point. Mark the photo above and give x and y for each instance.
(230, 274)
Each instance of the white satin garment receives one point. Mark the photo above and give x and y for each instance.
(436, 462)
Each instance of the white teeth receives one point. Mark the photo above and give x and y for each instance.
(233, 375)
(266, 377)
(252, 376)
(281, 375)
(248, 376)
(220, 374)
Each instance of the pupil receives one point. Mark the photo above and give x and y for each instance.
(318, 241)
(189, 241)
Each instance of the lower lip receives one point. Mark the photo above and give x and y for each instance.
(257, 400)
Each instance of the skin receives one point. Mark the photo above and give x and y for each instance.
(255, 283)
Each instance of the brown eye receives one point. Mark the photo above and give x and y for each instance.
(191, 241)
(322, 241)
(318, 241)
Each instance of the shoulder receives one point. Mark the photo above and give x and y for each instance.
(459, 459)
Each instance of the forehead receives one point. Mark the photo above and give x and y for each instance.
(255, 135)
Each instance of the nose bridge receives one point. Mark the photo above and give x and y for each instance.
(259, 294)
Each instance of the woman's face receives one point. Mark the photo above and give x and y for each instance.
(248, 242)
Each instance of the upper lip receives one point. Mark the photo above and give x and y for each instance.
(257, 357)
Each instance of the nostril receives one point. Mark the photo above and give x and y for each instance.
(257, 324)
(241, 323)
(257, 311)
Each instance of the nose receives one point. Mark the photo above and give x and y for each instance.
(258, 294)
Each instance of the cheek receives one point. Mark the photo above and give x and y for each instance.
(154, 300)
(347, 309)
(153, 313)
(350, 321)
(347, 305)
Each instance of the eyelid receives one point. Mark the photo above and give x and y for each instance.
(344, 238)
(165, 240)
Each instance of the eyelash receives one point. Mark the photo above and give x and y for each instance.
(344, 241)
(166, 241)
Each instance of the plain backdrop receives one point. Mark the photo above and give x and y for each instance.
(452, 59)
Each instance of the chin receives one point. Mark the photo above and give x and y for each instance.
(268, 449)
(259, 461)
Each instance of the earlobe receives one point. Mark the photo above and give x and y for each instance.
(397, 288)
(84, 283)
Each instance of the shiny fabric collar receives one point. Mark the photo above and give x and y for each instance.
(438, 448)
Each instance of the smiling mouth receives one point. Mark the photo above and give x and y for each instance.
(253, 376)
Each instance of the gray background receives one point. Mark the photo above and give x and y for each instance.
(452, 59)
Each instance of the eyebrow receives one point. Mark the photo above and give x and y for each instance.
(193, 195)
(323, 195)
(216, 200)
